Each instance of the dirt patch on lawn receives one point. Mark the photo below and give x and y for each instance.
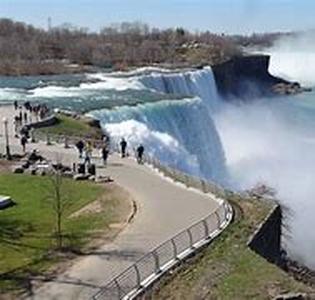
(124, 204)
(124, 211)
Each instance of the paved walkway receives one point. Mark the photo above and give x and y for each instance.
(164, 209)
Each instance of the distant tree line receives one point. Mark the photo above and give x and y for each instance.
(25, 49)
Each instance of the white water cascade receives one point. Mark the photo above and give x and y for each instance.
(181, 133)
(196, 83)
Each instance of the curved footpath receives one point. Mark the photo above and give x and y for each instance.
(164, 209)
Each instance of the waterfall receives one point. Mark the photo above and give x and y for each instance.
(180, 133)
(195, 83)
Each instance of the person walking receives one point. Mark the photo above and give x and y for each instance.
(16, 105)
(88, 153)
(105, 153)
(123, 147)
(25, 117)
(140, 151)
(23, 142)
(16, 123)
(21, 115)
(80, 147)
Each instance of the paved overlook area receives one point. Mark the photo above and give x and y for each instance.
(163, 209)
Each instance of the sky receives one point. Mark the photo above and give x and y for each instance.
(221, 16)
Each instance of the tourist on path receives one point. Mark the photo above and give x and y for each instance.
(123, 146)
(88, 153)
(80, 147)
(140, 151)
(23, 142)
(21, 115)
(16, 123)
(16, 105)
(105, 153)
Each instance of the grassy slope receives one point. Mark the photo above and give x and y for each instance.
(72, 127)
(26, 229)
(228, 269)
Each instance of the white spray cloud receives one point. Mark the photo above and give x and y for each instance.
(293, 58)
(267, 142)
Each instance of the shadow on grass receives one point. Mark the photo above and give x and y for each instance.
(14, 232)
(23, 280)
(122, 255)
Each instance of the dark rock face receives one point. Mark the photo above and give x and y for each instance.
(248, 77)
(267, 239)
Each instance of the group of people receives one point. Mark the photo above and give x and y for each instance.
(139, 151)
(39, 111)
(24, 115)
(85, 149)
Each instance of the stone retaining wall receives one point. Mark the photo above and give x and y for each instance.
(49, 121)
(266, 241)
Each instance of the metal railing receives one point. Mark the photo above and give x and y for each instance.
(150, 267)
(66, 140)
(153, 265)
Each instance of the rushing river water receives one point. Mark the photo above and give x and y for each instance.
(180, 119)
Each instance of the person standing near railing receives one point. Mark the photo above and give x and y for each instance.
(140, 151)
(16, 124)
(25, 117)
(23, 142)
(105, 153)
(16, 105)
(123, 147)
(21, 115)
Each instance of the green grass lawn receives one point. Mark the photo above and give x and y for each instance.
(72, 127)
(228, 269)
(26, 229)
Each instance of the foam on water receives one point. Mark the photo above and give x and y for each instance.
(12, 94)
(158, 144)
(187, 121)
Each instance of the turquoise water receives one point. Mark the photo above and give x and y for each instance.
(81, 93)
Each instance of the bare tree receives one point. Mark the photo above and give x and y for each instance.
(25, 49)
(59, 201)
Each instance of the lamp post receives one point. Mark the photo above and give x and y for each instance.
(6, 133)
